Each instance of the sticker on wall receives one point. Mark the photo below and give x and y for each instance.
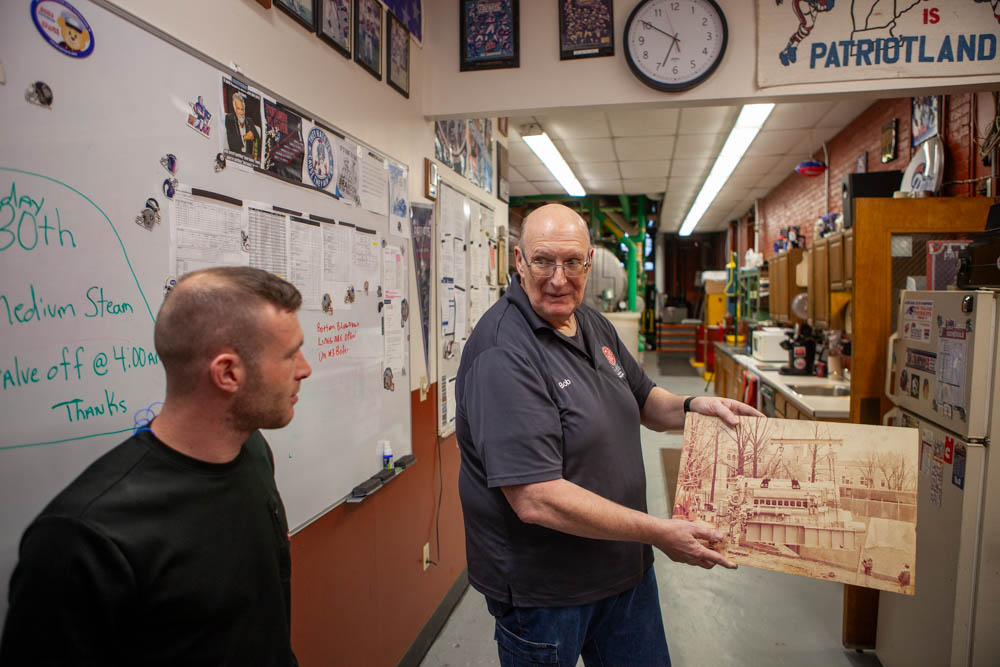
(949, 449)
(200, 118)
(319, 158)
(63, 27)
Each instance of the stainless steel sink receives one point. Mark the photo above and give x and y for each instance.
(820, 389)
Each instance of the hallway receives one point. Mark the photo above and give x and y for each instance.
(712, 617)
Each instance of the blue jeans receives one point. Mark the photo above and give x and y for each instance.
(624, 629)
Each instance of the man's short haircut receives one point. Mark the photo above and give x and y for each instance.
(213, 310)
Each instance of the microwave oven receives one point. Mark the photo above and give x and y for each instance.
(765, 344)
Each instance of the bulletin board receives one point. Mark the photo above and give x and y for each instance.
(84, 273)
(467, 283)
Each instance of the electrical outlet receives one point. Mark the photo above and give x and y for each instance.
(427, 555)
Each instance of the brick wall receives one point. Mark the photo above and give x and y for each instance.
(800, 200)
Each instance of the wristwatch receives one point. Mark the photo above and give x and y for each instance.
(687, 404)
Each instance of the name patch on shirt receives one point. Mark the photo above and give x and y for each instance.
(564, 383)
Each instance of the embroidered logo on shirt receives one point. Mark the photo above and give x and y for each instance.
(610, 356)
(564, 383)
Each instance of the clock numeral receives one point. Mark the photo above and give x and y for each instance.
(708, 36)
(642, 40)
(675, 6)
(657, 12)
(645, 55)
(705, 50)
(704, 20)
(675, 69)
(693, 65)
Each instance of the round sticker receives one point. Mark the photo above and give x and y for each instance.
(609, 355)
(800, 363)
(319, 158)
(63, 27)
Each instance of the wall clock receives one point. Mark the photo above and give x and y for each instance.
(674, 45)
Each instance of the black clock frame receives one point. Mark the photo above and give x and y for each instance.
(673, 87)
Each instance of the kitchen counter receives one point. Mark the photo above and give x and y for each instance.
(816, 407)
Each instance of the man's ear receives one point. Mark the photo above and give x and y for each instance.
(519, 261)
(227, 371)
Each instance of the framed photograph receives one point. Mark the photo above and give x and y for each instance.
(368, 36)
(861, 163)
(502, 125)
(586, 29)
(397, 59)
(889, 141)
(503, 173)
(300, 10)
(490, 34)
(266, 4)
(925, 119)
(333, 24)
(430, 179)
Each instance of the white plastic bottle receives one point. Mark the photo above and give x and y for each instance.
(386, 455)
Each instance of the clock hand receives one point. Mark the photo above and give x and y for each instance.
(650, 25)
(666, 57)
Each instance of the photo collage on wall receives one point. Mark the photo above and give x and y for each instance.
(466, 146)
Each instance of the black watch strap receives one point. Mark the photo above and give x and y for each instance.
(687, 404)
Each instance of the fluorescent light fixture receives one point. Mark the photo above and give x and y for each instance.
(547, 152)
(748, 124)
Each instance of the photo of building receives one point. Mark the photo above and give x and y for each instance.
(819, 499)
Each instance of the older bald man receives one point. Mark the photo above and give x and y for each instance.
(552, 482)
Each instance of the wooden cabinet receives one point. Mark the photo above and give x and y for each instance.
(849, 258)
(835, 243)
(782, 287)
(819, 284)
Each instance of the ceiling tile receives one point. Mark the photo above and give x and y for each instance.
(707, 120)
(604, 187)
(761, 164)
(644, 168)
(514, 176)
(575, 125)
(696, 168)
(599, 170)
(644, 148)
(636, 186)
(744, 179)
(585, 150)
(843, 112)
(523, 189)
(538, 172)
(797, 115)
(643, 122)
(549, 187)
(776, 142)
(521, 155)
(699, 145)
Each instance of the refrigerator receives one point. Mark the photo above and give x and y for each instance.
(942, 376)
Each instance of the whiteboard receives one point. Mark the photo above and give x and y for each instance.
(467, 285)
(81, 282)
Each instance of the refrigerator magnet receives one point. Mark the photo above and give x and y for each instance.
(958, 469)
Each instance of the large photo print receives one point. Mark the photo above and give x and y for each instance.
(819, 499)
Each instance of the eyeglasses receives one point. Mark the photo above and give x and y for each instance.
(546, 268)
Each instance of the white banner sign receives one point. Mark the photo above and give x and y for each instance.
(810, 41)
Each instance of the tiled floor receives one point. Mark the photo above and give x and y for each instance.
(712, 617)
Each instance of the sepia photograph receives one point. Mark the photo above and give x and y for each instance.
(818, 499)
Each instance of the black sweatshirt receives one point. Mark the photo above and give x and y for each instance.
(151, 558)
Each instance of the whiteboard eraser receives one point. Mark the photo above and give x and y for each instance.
(366, 487)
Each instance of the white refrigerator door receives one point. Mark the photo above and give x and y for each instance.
(934, 626)
(944, 358)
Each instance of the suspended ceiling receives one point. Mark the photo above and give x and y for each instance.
(667, 153)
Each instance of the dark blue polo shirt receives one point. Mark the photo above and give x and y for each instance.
(535, 405)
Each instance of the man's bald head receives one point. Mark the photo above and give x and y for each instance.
(213, 310)
(550, 218)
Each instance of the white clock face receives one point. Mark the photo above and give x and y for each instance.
(675, 44)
